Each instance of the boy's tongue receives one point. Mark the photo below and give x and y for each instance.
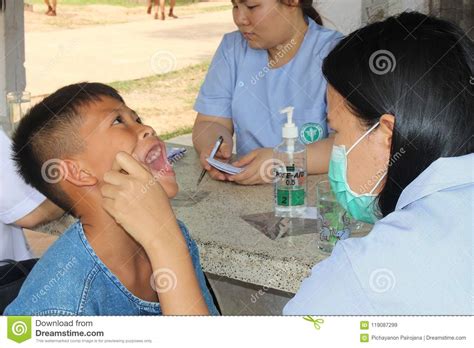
(156, 161)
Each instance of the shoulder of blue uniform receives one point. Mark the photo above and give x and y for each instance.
(234, 38)
(394, 236)
(233, 44)
(330, 298)
(444, 173)
(324, 39)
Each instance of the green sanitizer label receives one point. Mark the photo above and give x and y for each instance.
(291, 198)
(290, 190)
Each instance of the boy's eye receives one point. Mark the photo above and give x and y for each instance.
(252, 7)
(117, 120)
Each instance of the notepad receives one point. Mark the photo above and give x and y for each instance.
(224, 167)
(175, 154)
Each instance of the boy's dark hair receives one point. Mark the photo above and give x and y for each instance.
(49, 132)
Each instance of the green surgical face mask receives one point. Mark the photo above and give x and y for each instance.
(360, 206)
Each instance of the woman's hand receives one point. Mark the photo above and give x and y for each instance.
(223, 155)
(258, 167)
(136, 200)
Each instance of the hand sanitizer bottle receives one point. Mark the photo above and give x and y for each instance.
(290, 185)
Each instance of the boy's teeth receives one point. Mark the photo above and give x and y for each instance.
(153, 155)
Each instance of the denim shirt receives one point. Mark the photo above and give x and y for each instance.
(70, 279)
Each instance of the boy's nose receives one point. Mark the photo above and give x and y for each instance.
(146, 131)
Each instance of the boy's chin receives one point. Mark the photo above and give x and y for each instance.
(170, 186)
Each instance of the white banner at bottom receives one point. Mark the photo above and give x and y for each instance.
(326, 331)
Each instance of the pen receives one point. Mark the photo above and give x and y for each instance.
(213, 153)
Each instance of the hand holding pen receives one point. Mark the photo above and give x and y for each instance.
(222, 153)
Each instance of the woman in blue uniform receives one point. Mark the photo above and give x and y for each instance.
(272, 61)
(400, 102)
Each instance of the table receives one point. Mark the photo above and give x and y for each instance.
(250, 273)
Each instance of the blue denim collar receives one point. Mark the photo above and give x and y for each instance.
(153, 306)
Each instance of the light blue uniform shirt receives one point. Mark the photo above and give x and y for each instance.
(241, 85)
(416, 260)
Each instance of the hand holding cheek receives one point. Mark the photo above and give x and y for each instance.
(134, 198)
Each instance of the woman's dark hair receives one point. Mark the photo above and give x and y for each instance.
(308, 10)
(420, 70)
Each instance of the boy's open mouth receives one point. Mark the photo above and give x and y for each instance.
(157, 161)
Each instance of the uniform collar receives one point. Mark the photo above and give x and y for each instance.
(442, 174)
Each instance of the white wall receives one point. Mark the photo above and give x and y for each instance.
(342, 15)
(348, 15)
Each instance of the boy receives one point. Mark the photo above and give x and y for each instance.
(63, 147)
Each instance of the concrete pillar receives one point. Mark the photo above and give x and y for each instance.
(12, 51)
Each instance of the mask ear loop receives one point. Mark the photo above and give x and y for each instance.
(378, 182)
(357, 142)
(362, 137)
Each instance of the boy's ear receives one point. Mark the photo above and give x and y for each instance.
(78, 176)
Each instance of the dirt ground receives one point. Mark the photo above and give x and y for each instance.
(164, 101)
(71, 17)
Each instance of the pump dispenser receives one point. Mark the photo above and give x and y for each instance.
(290, 184)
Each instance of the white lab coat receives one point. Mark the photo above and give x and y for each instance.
(17, 199)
